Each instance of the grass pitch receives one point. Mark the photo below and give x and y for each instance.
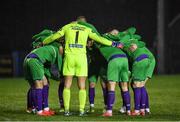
(164, 92)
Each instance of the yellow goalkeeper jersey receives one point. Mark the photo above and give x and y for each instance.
(76, 37)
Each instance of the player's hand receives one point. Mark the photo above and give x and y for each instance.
(133, 47)
(42, 44)
(117, 44)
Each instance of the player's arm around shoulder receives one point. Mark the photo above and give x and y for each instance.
(99, 39)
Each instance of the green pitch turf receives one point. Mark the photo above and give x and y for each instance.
(164, 92)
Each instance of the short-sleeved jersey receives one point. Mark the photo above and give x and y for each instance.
(76, 37)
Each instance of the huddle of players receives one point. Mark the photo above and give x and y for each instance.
(141, 62)
(119, 45)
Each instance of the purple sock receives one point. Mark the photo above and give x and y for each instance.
(45, 96)
(126, 99)
(124, 104)
(29, 99)
(91, 95)
(60, 94)
(105, 95)
(33, 91)
(110, 100)
(147, 99)
(39, 99)
(122, 95)
(137, 98)
(143, 98)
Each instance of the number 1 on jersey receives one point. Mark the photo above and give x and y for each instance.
(77, 35)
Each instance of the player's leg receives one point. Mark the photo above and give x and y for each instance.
(33, 96)
(67, 94)
(32, 73)
(113, 77)
(93, 73)
(104, 85)
(46, 97)
(110, 98)
(29, 93)
(68, 72)
(81, 72)
(39, 96)
(139, 75)
(92, 83)
(60, 94)
(45, 93)
(82, 94)
(126, 97)
(29, 101)
(149, 73)
(144, 91)
(37, 73)
(123, 107)
(124, 83)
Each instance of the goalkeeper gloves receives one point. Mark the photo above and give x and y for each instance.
(117, 44)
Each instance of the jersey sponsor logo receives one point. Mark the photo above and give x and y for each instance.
(78, 28)
(75, 45)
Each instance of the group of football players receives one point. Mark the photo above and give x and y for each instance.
(78, 49)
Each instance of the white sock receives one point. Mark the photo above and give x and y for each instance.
(136, 111)
(46, 109)
(128, 111)
(92, 105)
(147, 109)
(109, 111)
(142, 110)
(39, 111)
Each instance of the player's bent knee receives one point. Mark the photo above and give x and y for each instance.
(111, 86)
(38, 84)
(137, 84)
(92, 85)
(45, 81)
(124, 86)
(67, 85)
(82, 85)
(143, 83)
(104, 84)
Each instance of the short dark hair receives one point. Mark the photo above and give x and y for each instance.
(79, 18)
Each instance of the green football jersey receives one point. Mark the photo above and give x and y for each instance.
(38, 38)
(130, 38)
(106, 51)
(49, 55)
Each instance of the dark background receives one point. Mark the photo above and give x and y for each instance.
(20, 19)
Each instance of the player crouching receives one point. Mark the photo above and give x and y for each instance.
(35, 65)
